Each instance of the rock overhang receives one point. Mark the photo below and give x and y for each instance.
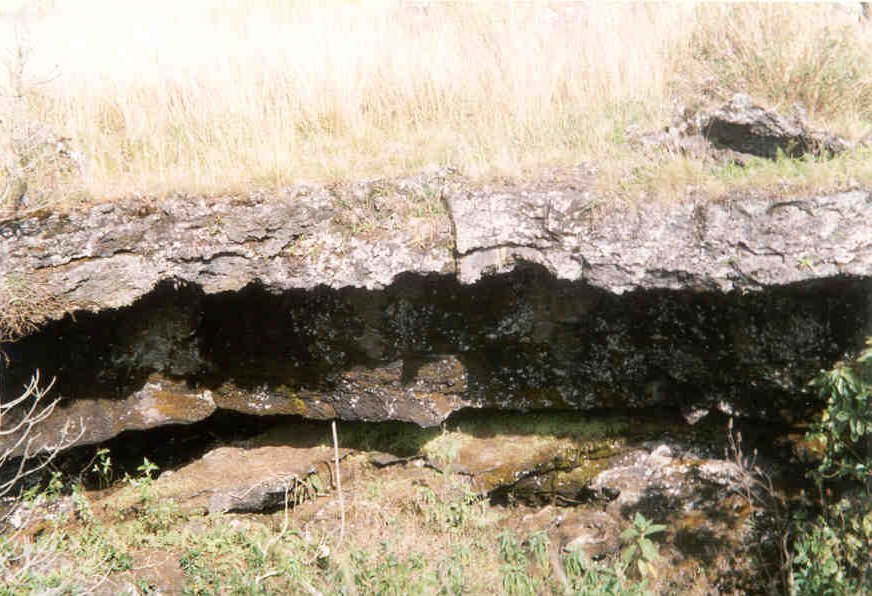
(110, 255)
(428, 346)
(518, 298)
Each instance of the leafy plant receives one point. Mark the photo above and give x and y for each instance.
(539, 545)
(587, 577)
(103, 467)
(831, 553)
(147, 468)
(640, 549)
(55, 486)
(845, 429)
(449, 513)
(81, 504)
(387, 573)
(451, 572)
(516, 578)
(144, 481)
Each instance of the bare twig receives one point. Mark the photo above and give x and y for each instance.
(21, 447)
(757, 488)
(338, 484)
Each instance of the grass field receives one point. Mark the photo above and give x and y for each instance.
(103, 98)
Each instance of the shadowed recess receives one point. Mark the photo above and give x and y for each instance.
(427, 346)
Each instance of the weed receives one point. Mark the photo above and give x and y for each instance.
(452, 576)
(516, 577)
(81, 504)
(640, 549)
(387, 573)
(444, 449)
(539, 545)
(449, 514)
(103, 467)
(831, 554)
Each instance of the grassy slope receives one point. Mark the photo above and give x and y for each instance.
(216, 96)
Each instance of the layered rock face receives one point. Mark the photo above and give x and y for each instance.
(413, 299)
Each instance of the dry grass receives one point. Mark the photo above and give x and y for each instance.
(24, 306)
(215, 96)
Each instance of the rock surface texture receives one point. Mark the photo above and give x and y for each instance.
(412, 299)
(736, 245)
(748, 128)
(111, 255)
(739, 130)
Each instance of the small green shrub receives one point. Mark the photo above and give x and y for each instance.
(103, 468)
(450, 514)
(831, 554)
(640, 549)
(845, 429)
(587, 577)
(452, 576)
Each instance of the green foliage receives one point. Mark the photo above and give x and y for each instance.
(55, 486)
(81, 504)
(831, 553)
(845, 429)
(144, 483)
(95, 544)
(589, 578)
(449, 514)
(200, 577)
(103, 467)
(539, 545)
(640, 549)
(388, 574)
(639, 554)
(452, 577)
(147, 468)
(244, 560)
(516, 578)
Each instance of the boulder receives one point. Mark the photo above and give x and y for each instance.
(746, 127)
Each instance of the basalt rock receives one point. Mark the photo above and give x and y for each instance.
(110, 255)
(738, 130)
(721, 246)
(251, 478)
(415, 299)
(746, 127)
(365, 236)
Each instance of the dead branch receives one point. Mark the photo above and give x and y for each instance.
(23, 452)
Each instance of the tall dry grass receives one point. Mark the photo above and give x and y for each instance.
(208, 96)
(817, 56)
